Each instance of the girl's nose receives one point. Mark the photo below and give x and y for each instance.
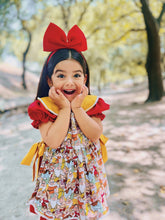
(69, 81)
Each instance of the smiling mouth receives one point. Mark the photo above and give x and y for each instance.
(69, 92)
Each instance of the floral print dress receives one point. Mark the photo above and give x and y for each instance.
(72, 182)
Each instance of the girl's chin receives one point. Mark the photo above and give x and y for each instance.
(70, 97)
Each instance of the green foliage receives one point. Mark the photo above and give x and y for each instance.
(115, 32)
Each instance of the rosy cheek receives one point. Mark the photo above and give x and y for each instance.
(79, 89)
(57, 86)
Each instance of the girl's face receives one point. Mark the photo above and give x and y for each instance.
(68, 77)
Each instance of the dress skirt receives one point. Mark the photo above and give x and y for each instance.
(72, 182)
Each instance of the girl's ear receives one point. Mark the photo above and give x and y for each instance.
(49, 81)
(85, 78)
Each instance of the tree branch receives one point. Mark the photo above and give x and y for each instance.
(137, 5)
(64, 16)
(126, 15)
(147, 14)
(94, 31)
(118, 39)
(127, 32)
(159, 19)
(66, 12)
(83, 12)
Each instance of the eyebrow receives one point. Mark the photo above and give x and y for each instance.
(63, 71)
(78, 71)
(59, 70)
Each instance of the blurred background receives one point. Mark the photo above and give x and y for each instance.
(119, 33)
(126, 56)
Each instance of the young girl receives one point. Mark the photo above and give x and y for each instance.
(71, 181)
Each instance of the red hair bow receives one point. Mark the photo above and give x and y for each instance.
(55, 39)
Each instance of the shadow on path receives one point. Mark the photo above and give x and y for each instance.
(135, 168)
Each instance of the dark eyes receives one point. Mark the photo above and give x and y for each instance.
(77, 75)
(60, 76)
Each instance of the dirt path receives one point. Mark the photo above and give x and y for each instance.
(135, 168)
(136, 165)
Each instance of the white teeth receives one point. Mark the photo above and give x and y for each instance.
(69, 92)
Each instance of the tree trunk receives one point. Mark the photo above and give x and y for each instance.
(153, 67)
(24, 59)
(153, 63)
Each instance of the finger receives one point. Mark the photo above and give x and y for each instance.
(85, 90)
(53, 94)
(50, 92)
(52, 89)
(82, 90)
(60, 93)
(79, 90)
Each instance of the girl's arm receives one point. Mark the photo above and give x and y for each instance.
(90, 126)
(53, 133)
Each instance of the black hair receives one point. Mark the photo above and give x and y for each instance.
(50, 63)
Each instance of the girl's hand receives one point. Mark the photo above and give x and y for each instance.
(59, 99)
(77, 101)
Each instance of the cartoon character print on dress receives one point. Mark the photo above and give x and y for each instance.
(72, 183)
